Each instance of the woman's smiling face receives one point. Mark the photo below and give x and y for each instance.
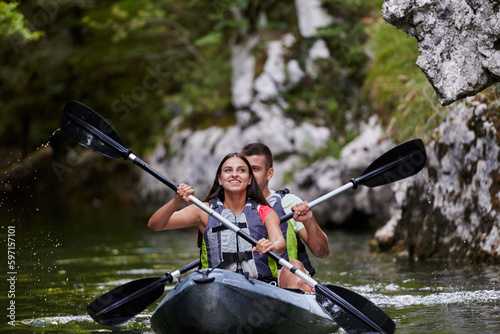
(235, 175)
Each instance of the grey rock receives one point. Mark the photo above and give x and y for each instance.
(311, 17)
(457, 41)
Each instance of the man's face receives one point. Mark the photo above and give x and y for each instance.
(261, 173)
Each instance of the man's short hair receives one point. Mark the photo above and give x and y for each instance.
(259, 149)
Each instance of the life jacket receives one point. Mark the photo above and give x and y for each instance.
(223, 248)
(295, 248)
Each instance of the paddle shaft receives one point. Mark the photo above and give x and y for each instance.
(321, 199)
(185, 269)
(151, 171)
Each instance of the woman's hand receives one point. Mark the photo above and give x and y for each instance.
(183, 193)
(263, 246)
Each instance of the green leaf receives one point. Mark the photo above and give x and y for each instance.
(211, 38)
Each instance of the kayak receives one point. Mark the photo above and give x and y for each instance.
(220, 301)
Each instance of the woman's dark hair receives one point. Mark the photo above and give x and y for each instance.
(253, 190)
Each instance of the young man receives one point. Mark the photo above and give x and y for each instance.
(303, 226)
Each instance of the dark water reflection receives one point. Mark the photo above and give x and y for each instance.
(66, 260)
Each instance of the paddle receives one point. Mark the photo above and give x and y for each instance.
(74, 124)
(126, 301)
(400, 162)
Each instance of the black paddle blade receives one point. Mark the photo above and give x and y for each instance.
(86, 127)
(402, 161)
(327, 297)
(126, 301)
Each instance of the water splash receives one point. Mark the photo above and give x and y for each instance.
(83, 321)
(19, 168)
(384, 294)
(49, 321)
(429, 185)
(445, 298)
(140, 272)
(430, 189)
(47, 144)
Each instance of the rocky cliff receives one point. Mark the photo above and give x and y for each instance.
(458, 42)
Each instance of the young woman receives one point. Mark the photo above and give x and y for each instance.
(237, 197)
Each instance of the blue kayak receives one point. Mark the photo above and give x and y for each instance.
(219, 301)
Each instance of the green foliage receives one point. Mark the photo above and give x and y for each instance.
(211, 39)
(13, 24)
(136, 63)
(324, 99)
(332, 97)
(333, 147)
(347, 35)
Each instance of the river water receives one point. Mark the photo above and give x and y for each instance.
(63, 261)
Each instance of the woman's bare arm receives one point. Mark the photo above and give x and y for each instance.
(276, 241)
(167, 218)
